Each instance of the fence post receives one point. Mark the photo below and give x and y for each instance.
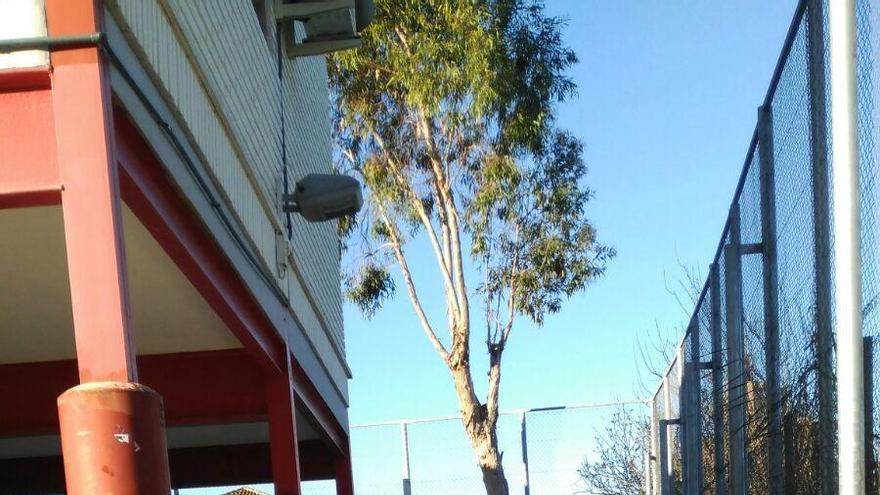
(735, 351)
(664, 431)
(656, 468)
(771, 300)
(683, 416)
(789, 443)
(665, 479)
(666, 455)
(717, 379)
(525, 451)
(821, 242)
(695, 422)
(407, 484)
(847, 246)
(870, 459)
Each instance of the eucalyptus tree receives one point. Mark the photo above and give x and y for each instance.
(447, 113)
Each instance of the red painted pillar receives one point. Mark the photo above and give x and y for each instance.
(344, 478)
(112, 430)
(282, 432)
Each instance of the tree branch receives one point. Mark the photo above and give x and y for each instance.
(411, 288)
(420, 211)
(444, 193)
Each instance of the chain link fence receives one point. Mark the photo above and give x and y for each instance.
(544, 449)
(748, 404)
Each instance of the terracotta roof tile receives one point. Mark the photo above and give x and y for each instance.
(245, 490)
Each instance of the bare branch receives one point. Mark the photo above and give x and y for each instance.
(411, 288)
(420, 211)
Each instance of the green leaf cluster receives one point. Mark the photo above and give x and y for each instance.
(447, 114)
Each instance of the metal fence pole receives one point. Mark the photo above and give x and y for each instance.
(735, 351)
(681, 433)
(667, 415)
(525, 452)
(717, 379)
(821, 242)
(847, 243)
(870, 459)
(407, 484)
(655, 447)
(684, 428)
(695, 423)
(666, 456)
(788, 433)
(665, 478)
(771, 300)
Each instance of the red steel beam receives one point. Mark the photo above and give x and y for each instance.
(28, 167)
(25, 79)
(282, 433)
(192, 467)
(343, 475)
(209, 387)
(156, 201)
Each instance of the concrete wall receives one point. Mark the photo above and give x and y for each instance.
(217, 71)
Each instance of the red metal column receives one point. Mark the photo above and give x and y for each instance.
(90, 199)
(112, 430)
(344, 478)
(282, 432)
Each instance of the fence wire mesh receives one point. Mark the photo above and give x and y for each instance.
(556, 443)
(764, 391)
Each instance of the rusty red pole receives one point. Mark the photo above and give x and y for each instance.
(282, 432)
(344, 478)
(112, 429)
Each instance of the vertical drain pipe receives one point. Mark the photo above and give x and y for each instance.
(847, 253)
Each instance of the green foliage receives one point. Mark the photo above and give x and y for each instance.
(372, 285)
(447, 115)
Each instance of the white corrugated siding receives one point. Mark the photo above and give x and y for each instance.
(218, 71)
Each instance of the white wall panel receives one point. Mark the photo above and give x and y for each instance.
(219, 75)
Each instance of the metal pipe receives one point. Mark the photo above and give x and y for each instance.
(656, 470)
(665, 456)
(513, 412)
(667, 415)
(847, 245)
(773, 405)
(735, 366)
(717, 381)
(695, 423)
(407, 481)
(525, 452)
(51, 42)
(870, 460)
(821, 243)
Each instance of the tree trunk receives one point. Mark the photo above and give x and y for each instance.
(480, 422)
(490, 463)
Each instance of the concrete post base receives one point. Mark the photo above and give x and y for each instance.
(113, 440)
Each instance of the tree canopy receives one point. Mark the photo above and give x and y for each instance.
(447, 113)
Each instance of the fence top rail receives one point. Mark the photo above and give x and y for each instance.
(512, 412)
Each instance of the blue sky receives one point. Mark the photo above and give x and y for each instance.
(668, 100)
(666, 107)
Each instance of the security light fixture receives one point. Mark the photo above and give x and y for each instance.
(322, 197)
(325, 26)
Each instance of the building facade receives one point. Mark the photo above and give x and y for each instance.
(164, 323)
